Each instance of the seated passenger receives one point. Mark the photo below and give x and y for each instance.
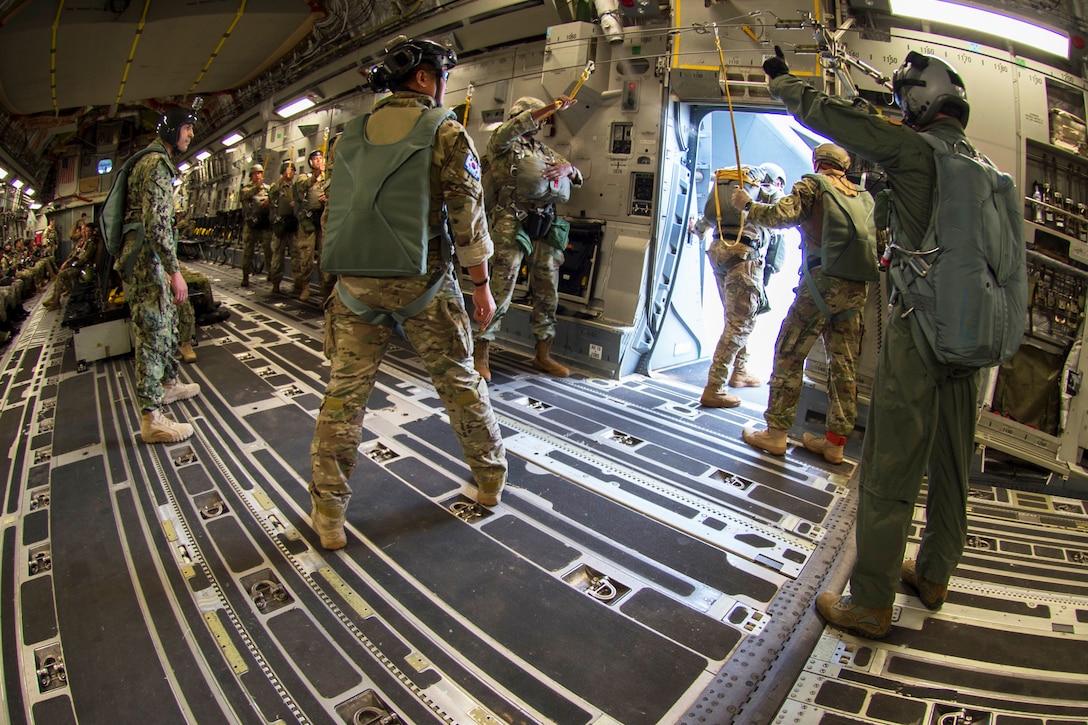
(81, 259)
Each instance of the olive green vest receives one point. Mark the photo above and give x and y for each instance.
(379, 202)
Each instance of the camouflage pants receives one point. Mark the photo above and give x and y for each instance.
(200, 287)
(740, 285)
(280, 244)
(250, 238)
(63, 284)
(921, 423)
(842, 341)
(441, 336)
(155, 330)
(543, 262)
(302, 256)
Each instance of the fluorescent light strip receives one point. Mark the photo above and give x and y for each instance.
(233, 139)
(203, 155)
(184, 166)
(985, 21)
(3, 173)
(17, 183)
(295, 107)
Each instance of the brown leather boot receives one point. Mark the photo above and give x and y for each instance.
(713, 397)
(275, 288)
(543, 360)
(931, 593)
(328, 521)
(830, 450)
(187, 353)
(842, 612)
(480, 359)
(771, 440)
(741, 378)
(304, 295)
(245, 279)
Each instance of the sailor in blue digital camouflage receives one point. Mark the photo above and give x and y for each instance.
(281, 201)
(257, 227)
(805, 322)
(156, 287)
(524, 225)
(309, 193)
(358, 314)
(736, 259)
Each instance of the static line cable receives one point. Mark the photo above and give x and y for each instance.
(468, 103)
(740, 173)
(586, 73)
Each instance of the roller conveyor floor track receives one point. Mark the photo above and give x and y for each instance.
(645, 566)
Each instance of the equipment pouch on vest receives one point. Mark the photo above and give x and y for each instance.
(537, 223)
(559, 233)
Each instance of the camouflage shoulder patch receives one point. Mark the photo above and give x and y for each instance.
(472, 165)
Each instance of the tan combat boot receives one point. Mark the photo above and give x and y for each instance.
(713, 397)
(245, 279)
(842, 612)
(741, 378)
(931, 593)
(187, 353)
(490, 498)
(543, 360)
(770, 440)
(51, 303)
(328, 521)
(304, 295)
(175, 391)
(157, 428)
(830, 449)
(275, 288)
(480, 359)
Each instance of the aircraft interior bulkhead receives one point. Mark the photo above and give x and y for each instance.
(644, 565)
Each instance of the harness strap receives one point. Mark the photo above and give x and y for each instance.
(821, 305)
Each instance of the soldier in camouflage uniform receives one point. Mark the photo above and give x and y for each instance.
(844, 299)
(441, 332)
(257, 227)
(309, 203)
(281, 199)
(82, 257)
(507, 216)
(201, 301)
(156, 287)
(738, 268)
(50, 244)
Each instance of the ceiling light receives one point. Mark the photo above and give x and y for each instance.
(987, 21)
(29, 192)
(205, 154)
(35, 205)
(184, 166)
(17, 183)
(295, 107)
(233, 139)
(3, 173)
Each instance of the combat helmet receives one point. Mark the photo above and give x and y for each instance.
(255, 168)
(830, 153)
(403, 55)
(772, 173)
(171, 122)
(924, 86)
(526, 103)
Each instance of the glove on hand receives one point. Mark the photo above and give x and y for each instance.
(776, 66)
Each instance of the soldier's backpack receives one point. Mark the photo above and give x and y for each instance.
(966, 282)
(113, 226)
(378, 225)
(848, 237)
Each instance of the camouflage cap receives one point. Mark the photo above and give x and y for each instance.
(835, 155)
(526, 103)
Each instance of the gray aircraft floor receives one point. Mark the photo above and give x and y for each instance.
(644, 566)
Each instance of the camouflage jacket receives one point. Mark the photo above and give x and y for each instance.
(252, 198)
(803, 208)
(507, 144)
